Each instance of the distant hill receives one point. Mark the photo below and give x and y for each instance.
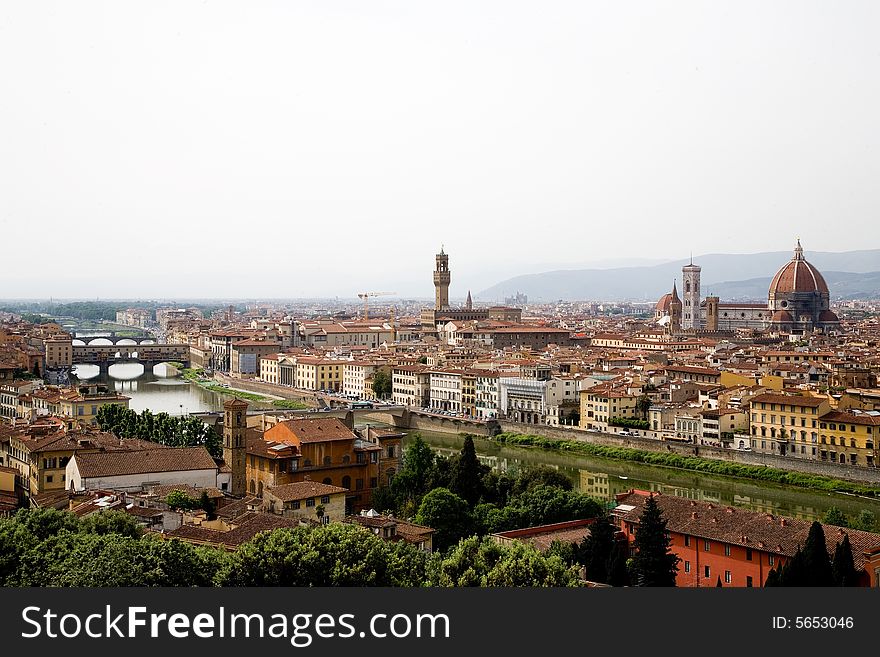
(851, 274)
(841, 284)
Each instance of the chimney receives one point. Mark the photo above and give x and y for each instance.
(694, 515)
(307, 478)
(782, 522)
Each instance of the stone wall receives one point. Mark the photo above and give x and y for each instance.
(836, 470)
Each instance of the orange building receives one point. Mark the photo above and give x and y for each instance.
(326, 451)
(740, 547)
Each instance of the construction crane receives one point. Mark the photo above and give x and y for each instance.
(366, 297)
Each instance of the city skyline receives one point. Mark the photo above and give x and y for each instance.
(149, 150)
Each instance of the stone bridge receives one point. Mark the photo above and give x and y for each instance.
(106, 355)
(114, 338)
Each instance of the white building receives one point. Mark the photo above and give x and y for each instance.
(487, 395)
(446, 390)
(411, 385)
(129, 471)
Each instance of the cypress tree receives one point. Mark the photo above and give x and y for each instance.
(842, 567)
(467, 479)
(718, 585)
(817, 563)
(618, 575)
(794, 572)
(597, 549)
(773, 577)
(654, 563)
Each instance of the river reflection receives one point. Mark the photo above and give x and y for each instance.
(161, 389)
(604, 478)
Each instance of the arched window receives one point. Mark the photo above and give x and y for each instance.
(389, 475)
(260, 490)
(328, 481)
(253, 487)
(307, 463)
(346, 458)
(327, 460)
(346, 482)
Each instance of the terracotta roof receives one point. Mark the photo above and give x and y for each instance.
(170, 459)
(245, 527)
(303, 490)
(735, 526)
(799, 276)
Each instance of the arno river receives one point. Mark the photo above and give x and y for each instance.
(599, 477)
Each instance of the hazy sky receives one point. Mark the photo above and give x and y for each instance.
(290, 148)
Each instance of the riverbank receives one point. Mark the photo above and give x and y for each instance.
(197, 376)
(692, 463)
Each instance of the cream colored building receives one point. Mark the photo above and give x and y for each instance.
(411, 385)
(306, 499)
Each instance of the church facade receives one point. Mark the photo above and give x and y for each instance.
(798, 302)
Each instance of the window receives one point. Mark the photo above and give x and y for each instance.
(770, 559)
(374, 482)
(706, 546)
(706, 572)
(749, 581)
(727, 577)
(687, 566)
(328, 481)
(359, 484)
(687, 541)
(748, 554)
(48, 479)
(295, 504)
(726, 550)
(325, 499)
(310, 501)
(391, 451)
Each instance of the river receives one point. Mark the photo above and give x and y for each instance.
(603, 478)
(162, 390)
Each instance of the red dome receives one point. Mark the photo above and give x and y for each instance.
(798, 276)
(828, 317)
(663, 304)
(782, 317)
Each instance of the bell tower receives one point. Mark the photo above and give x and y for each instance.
(235, 443)
(442, 276)
(691, 316)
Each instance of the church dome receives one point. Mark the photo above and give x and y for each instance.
(798, 276)
(663, 304)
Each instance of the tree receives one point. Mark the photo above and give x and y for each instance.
(111, 522)
(865, 521)
(483, 562)
(817, 564)
(842, 566)
(718, 584)
(597, 549)
(654, 562)
(834, 516)
(178, 500)
(208, 506)
(467, 475)
(643, 404)
(448, 515)
(381, 384)
(618, 573)
(411, 482)
(542, 475)
(337, 554)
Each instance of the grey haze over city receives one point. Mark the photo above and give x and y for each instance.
(289, 149)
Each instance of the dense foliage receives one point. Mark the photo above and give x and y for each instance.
(108, 549)
(629, 423)
(161, 428)
(711, 466)
(865, 520)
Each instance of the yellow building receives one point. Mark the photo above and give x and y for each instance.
(308, 500)
(787, 424)
(849, 437)
(318, 374)
(601, 403)
(84, 403)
